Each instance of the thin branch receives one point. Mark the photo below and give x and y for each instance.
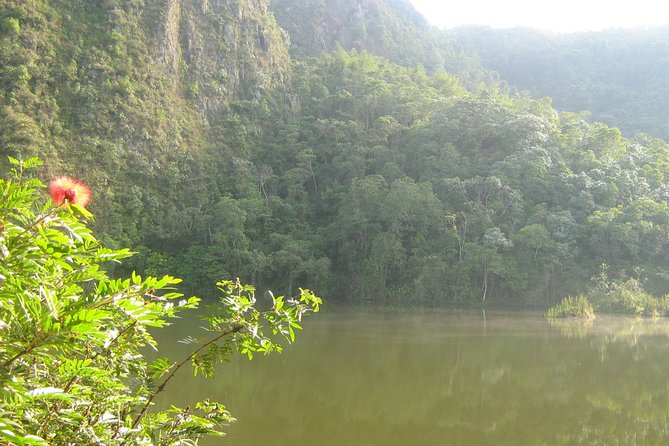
(33, 344)
(34, 224)
(161, 387)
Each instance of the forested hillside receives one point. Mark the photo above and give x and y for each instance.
(138, 99)
(216, 154)
(617, 75)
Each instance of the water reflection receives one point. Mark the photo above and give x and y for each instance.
(613, 328)
(572, 328)
(453, 378)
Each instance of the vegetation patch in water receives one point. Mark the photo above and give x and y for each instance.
(574, 307)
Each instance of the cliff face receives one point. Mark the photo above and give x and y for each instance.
(134, 97)
(72, 60)
(317, 25)
(219, 50)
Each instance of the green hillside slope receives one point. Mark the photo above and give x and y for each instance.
(215, 154)
(617, 75)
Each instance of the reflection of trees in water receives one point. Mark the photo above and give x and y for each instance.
(397, 380)
(629, 404)
(612, 329)
(572, 328)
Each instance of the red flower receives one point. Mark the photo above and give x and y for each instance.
(66, 188)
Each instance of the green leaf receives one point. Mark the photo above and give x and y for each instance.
(159, 367)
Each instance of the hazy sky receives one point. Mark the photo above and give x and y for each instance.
(563, 15)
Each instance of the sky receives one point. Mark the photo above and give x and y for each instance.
(560, 16)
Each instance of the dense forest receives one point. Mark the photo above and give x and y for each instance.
(220, 143)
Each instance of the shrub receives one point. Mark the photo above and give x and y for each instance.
(575, 307)
(11, 25)
(193, 90)
(72, 369)
(629, 297)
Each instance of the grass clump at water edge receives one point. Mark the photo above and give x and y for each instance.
(577, 307)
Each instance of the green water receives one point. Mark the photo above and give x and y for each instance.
(438, 377)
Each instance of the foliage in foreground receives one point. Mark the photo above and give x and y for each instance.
(572, 306)
(72, 369)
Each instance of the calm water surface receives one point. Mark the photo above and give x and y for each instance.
(437, 377)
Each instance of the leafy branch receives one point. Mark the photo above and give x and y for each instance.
(79, 335)
(178, 367)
